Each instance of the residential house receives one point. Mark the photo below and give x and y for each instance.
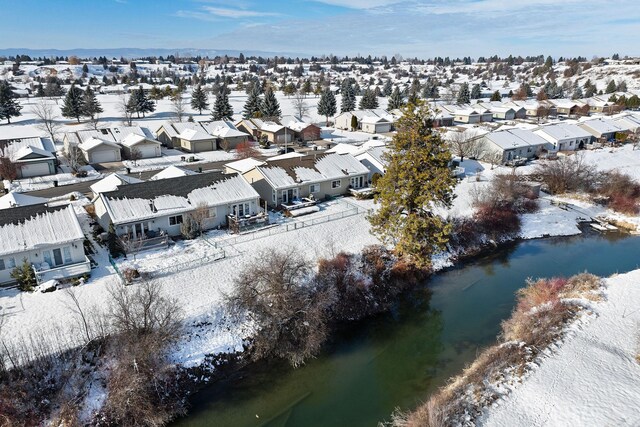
(154, 208)
(462, 114)
(565, 137)
(603, 129)
(49, 238)
(370, 121)
(13, 200)
(534, 109)
(193, 139)
(273, 132)
(98, 150)
(568, 107)
(373, 159)
(242, 166)
(302, 131)
(137, 142)
(33, 156)
(227, 135)
(628, 121)
(315, 176)
(512, 144)
(498, 110)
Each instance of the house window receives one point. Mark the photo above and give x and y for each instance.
(314, 188)
(211, 213)
(175, 220)
(66, 251)
(335, 184)
(240, 209)
(10, 263)
(273, 196)
(2, 266)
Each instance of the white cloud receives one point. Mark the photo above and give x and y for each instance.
(236, 13)
(359, 4)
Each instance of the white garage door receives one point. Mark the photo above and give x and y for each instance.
(104, 156)
(147, 151)
(35, 169)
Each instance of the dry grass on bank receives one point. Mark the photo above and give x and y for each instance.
(539, 319)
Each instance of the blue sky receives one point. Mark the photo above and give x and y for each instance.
(409, 27)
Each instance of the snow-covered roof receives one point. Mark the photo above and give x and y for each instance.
(221, 129)
(244, 165)
(194, 135)
(28, 151)
(112, 182)
(172, 172)
(602, 125)
(41, 227)
(13, 199)
(375, 156)
(154, 199)
(309, 169)
(122, 132)
(515, 138)
(22, 147)
(103, 134)
(559, 131)
(95, 142)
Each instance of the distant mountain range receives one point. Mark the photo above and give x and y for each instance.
(133, 53)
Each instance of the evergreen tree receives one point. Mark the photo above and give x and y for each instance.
(369, 100)
(252, 106)
(25, 276)
(549, 62)
(476, 93)
(140, 103)
(611, 87)
(269, 107)
(222, 109)
(8, 105)
(577, 93)
(73, 107)
(90, 104)
(348, 102)
(417, 181)
(40, 91)
(589, 91)
(464, 97)
(327, 104)
(199, 99)
(396, 100)
(622, 86)
(388, 88)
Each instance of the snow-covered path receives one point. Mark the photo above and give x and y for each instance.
(593, 379)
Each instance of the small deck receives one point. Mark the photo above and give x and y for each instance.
(63, 272)
(152, 240)
(238, 224)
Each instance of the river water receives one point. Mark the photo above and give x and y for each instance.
(396, 360)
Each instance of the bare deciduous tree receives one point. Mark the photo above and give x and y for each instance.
(134, 155)
(463, 144)
(246, 149)
(300, 105)
(276, 293)
(178, 107)
(123, 108)
(74, 157)
(46, 113)
(8, 169)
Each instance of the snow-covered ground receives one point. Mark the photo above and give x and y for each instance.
(593, 378)
(48, 181)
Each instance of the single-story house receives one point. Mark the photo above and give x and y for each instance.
(534, 109)
(512, 144)
(274, 132)
(227, 135)
(32, 156)
(56, 251)
(371, 121)
(168, 135)
(373, 159)
(628, 121)
(112, 182)
(302, 131)
(567, 107)
(159, 207)
(462, 113)
(565, 137)
(97, 150)
(498, 110)
(317, 176)
(195, 140)
(140, 147)
(603, 128)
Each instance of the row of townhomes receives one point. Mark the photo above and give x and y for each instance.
(202, 136)
(113, 144)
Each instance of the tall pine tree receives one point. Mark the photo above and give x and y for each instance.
(464, 97)
(199, 99)
(369, 100)
(73, 107)
(327, 104)
(252, 106)
(140, 103)
(269, 107)
(476, 93)
(90, 105)
(348, 102)
(222, 109)
(396, 100)
(416, 183)
(8, 105)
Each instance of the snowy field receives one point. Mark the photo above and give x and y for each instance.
(591, 379)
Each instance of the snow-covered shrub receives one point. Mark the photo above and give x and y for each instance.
(620, 191)
(567, 174)
(25, 276)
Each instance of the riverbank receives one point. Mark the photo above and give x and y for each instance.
(593, 377)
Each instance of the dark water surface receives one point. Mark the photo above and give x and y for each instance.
(397, 359)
